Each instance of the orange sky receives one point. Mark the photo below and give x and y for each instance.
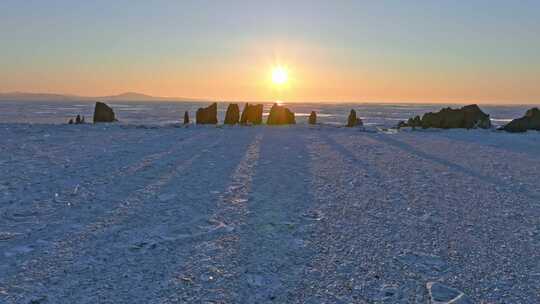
(356, 52)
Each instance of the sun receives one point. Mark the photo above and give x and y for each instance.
(280, 75)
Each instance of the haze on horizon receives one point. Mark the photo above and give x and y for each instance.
(425, 51)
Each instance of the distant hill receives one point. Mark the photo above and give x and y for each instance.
(129, 96)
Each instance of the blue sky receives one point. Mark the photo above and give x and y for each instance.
(342, 50)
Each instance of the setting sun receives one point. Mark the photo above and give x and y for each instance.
(279, 75)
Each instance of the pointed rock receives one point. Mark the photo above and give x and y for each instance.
(207, 115)
(232, 116)
(353, 120)
(186, 118)
(280, 115)
(312, 118)
(103, 113)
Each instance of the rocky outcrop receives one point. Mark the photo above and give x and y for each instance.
(186, 118)
(531, 121)
(312, 118)
(280, 115)
(103, 113)
(208, 115)
(353, 120)
(467, 117)
(232, 116)
(252, 114)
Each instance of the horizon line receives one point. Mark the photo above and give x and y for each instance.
(450, 101)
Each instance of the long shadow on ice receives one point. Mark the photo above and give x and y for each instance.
(275, 248)
(387, 139)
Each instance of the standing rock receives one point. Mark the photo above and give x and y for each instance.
(252, 114)
(82, 120)
(207, 115)
(70, 121)
(103, 113)
(353, 120)
(186, 118)
(232, 116)
(78, 119)
(280, 115)
(312, 118)
(531, 121)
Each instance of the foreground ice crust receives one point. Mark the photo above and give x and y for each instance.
(122, 214)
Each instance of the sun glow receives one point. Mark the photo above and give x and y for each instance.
(280, 75)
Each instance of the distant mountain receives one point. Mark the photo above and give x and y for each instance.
(129, 96)
(16, 96)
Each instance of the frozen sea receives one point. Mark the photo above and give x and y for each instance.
(146, 211)
(160, 113)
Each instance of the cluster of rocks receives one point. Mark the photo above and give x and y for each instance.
(470, 117)
(78, 120)
(467, 117)
(531, 121)
(102, 113)
(252, 114)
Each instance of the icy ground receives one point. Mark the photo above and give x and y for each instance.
(125, 214)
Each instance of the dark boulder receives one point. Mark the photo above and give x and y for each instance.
(78, 119)
(252, 114)
(467, 117)
(280, 115)
(531, 121)
(312, 118)
(207, 115)
(186, 118)
(103, 113)
(232, 116)
(353, 120)
(70, 121)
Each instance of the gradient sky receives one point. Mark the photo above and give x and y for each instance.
(428, 51)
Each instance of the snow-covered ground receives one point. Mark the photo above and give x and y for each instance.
(126, 214)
